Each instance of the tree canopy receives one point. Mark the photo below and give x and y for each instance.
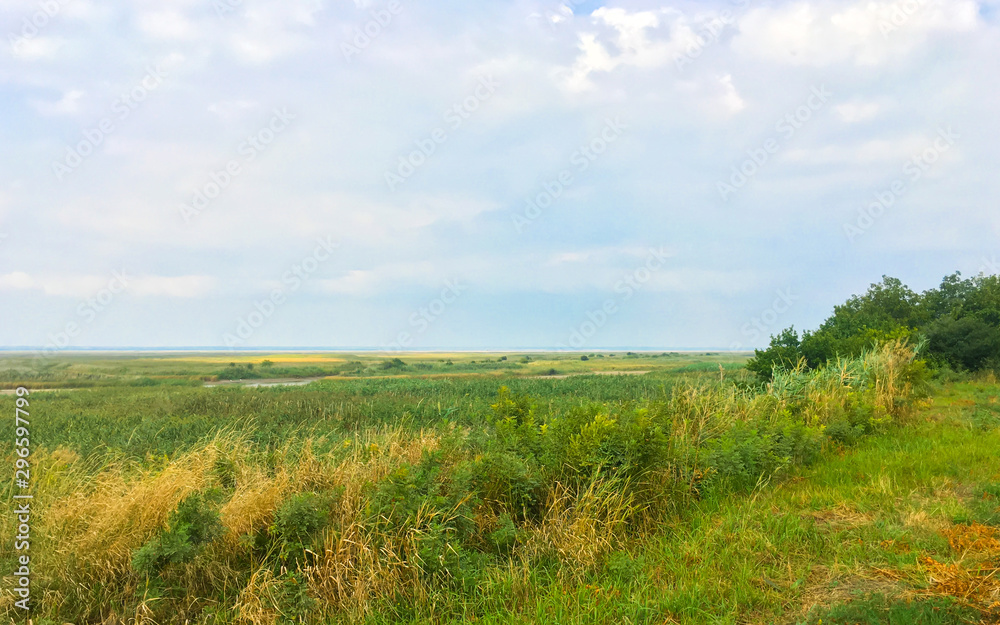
(960, 321)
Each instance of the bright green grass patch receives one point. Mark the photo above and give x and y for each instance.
(805, 549)
(880, 610)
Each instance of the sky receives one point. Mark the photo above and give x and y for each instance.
(505, 174)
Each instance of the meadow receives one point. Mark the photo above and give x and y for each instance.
(610, 487)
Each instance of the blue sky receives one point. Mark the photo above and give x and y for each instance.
(484, 175)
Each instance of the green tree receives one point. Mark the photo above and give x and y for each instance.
(966, 343)
(784, 352)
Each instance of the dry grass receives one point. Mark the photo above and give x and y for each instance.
(826, 588)
(582, 526)
(358, 564)
(841, 517)
(974, 538)
(102, 525)
(92, 521)
(91, 524)
(974, 578)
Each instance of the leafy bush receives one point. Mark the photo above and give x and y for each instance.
(434, 506)
(589, 439)
(744, 455)
(505, 537)
(511, 406)
(297, 522)
(292, 598)
(238, 372)
(194, 524)
(969, 343)
(509, 483)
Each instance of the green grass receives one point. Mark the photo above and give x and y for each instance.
(880, 610)
(88, 370)
(806, 548)
(834, 537)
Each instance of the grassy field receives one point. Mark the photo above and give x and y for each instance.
(506, 488)
(82, 370)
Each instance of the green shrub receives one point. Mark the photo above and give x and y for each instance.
(508, 482)
(510, 406)
(238, 372)
(225, 469)
(744, 455)
(969, 342)
(505, 537)
(190, 527)
(589, 439)
(435, 506)
(783, 353)
(293, 600)
(413, 494)
(298, 521)
(855, 422)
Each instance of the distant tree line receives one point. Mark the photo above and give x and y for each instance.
(958, 323)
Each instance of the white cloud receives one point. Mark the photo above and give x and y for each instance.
(823, 33)
(731, 97)
(858, 111)
(891, 152)
(233, 109)
(167, 24)
(68, 104)
(38, 48)
(271, 31)
(371, 281)
(686, 129)
(16, 280)
(172, 286)
(83, 286)
(631, 39)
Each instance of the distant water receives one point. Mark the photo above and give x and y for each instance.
(262, 383)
